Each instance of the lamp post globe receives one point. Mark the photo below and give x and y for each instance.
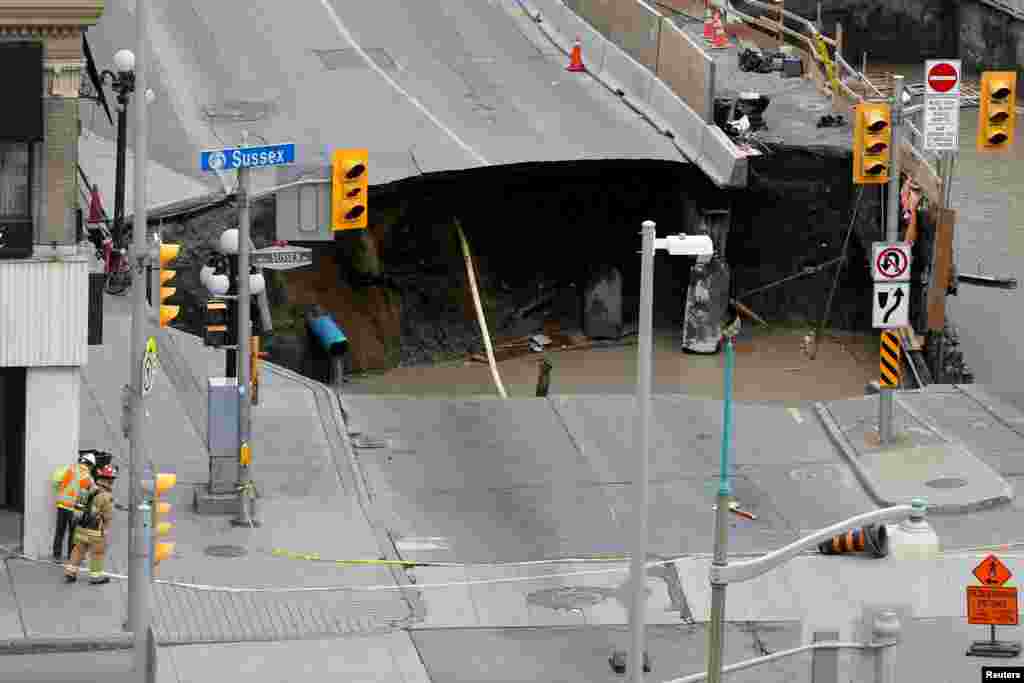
(204, 275)
(257, 284)
(124, 61)
(218, 284)
(229, 241)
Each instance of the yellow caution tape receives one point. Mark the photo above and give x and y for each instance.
(316, 557)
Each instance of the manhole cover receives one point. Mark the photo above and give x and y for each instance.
(946, 483)
(570, 597)
(237, 110)
(225, 551)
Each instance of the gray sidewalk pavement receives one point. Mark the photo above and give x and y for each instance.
(307, 505)
(950, 446)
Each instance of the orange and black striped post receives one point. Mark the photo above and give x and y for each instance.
(889, 379)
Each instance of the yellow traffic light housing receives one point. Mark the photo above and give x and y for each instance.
(872, 143)
(997, 110)
(162, 483)
(168, 252)
(349, 189)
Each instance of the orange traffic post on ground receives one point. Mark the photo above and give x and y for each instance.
(993, 604)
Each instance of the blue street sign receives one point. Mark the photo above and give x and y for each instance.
(247, 157)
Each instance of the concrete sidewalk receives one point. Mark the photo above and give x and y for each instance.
(307, 504)
(949, 447)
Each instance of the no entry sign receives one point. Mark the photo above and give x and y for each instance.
(942, 77)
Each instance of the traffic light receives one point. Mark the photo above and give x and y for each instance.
(168, 252)
(872, 141)
(349, 189)
(162, 483)
(997, 110)
(217, 326)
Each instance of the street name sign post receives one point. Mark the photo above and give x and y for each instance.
(993, 604)
(234, 158)
(283, 258)
(243, 159)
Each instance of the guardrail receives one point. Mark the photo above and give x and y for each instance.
(655, 68)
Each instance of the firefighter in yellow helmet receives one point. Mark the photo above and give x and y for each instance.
(91, 534)
(69, 483)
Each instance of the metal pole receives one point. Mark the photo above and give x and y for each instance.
(244, 349)
(892, 234)
(716, 637)
(138, 570)
(122, 142)
(638, 573)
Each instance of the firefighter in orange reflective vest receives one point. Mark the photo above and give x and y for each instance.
(91, 533)
(69, 483)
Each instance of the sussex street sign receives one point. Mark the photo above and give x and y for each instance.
(282, 258)
(247, 157)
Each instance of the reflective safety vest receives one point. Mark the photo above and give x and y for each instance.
(69, 486)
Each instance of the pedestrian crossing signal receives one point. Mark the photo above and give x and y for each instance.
(217, 327)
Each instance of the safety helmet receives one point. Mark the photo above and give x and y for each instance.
(106, 472)
(87, 458)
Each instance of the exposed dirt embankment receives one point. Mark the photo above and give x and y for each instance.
(400, 292)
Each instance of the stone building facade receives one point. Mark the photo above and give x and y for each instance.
(43, 277)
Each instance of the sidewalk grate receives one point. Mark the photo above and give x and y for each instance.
(185, 615)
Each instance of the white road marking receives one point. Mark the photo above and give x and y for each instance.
(383, 74)
(796, 415)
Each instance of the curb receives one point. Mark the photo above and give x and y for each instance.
(66, 644)
(337, 435)
(843, 444)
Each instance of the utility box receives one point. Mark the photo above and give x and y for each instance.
(222, 434)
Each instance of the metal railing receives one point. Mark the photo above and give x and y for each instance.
(783, 654)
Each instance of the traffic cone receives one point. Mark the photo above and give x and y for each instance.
(709, 30)
(719, 39)
(576, 58)
(871, 538)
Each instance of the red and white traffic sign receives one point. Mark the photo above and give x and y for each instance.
(890, 261)
(942, 77)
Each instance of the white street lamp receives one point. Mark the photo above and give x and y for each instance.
(229, 241)
(218, 284)
(204, 275)
(257, 284)
(124, 61)
(913, 539)
(676, 245)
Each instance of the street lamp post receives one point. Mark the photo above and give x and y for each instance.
(912, 539)
(123, 83)
(676, 245)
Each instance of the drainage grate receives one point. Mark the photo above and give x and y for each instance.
(349, 58)
(570, 597)
(237, 110)
(946, 483)
(226, 551)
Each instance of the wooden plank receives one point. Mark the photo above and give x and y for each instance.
(942, 264)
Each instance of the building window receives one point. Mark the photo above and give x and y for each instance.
(15, 181)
